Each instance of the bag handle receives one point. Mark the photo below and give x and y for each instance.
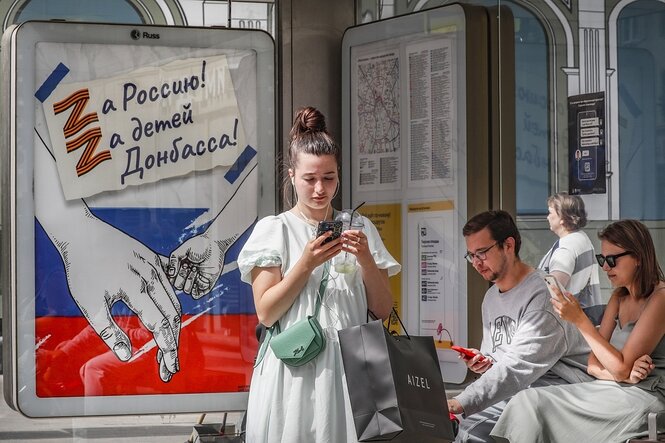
(392, 312)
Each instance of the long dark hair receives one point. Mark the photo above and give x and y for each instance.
(308, 135)
(634, 237)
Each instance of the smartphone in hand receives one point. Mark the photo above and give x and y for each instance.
(466, 352)
(325, 226)
(552, 283)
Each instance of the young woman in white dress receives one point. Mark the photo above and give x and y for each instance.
(284, 261)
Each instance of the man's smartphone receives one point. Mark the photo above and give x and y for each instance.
(325, 226)
(466, 352)
(552, 283)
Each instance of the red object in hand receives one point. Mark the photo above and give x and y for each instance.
(454, 421)
(467, 353)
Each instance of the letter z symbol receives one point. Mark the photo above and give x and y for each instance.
(298, 351)
(75, 124)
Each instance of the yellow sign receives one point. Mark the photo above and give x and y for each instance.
(443, 205)
(388, 221)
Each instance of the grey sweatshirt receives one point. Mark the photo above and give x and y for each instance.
(525, 338)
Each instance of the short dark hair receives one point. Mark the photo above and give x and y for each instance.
(571, 210)
(500, 224)
(634, 236)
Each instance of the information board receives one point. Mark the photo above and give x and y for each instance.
(586, 141)
(139, 159)
(405, 86)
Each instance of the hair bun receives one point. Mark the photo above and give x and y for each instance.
(308, 119)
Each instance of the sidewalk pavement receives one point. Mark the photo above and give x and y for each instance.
(176, 428)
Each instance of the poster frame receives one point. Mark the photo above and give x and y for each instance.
(18, 206)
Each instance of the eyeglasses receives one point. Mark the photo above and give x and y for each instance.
(480, 254)
(610, 259)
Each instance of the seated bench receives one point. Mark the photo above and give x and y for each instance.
(653, 420)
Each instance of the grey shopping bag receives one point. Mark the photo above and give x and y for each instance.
(395, 385)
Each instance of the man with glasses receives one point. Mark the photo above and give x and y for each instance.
(524, 342)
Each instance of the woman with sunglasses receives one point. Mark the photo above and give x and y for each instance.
(627, 355)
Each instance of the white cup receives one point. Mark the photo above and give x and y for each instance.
(345, 262)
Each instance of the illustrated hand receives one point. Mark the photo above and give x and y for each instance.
(122, 269)
(195, 265)
(105, 265)
(641, 369)
(567, 307)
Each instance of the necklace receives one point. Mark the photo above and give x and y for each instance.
(310, 221)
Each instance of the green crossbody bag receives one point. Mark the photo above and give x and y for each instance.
(301, 342)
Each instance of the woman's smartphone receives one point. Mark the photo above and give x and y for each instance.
(325, 226)
(552, 283)
(466, 352)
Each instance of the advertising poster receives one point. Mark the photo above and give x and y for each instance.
(129, 298)
(146, 185)
(586, 144)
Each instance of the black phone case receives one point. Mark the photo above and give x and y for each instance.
(325, 226)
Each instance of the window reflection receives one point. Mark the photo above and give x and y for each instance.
(105, 11)
(532, 98)
(641, 91)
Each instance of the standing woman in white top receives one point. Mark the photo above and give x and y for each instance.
(285, 262)
(572, 257)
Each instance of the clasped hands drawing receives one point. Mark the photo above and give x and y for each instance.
(124, 269)
(144, 280)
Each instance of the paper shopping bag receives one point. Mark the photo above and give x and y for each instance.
(395, 385)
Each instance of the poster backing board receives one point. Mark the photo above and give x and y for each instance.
(194, 107)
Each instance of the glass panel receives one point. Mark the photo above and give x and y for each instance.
(532, 132)
(105, 11)
(252, 16)
(641, 78)
(532, 98)
(215, 13)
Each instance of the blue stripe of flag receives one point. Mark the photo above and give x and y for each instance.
(241, 163)
(51, 82)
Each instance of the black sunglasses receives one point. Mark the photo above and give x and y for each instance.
(610, 259)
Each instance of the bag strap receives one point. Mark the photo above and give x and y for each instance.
(394, 312)
(276, 328)
(322, 288)
(546, 266)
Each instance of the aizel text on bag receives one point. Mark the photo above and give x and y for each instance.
(418, 382)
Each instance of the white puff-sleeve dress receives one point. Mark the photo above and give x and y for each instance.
(309, 403)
